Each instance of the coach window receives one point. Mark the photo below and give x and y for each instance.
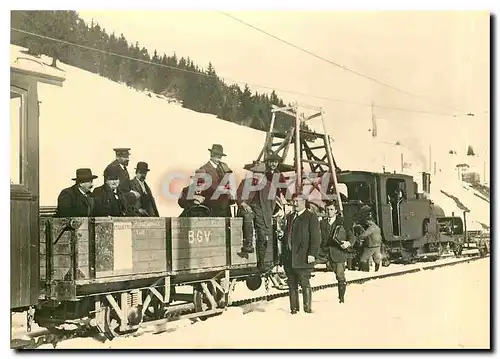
(17, 120)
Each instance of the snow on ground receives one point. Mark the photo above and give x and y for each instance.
(81, 122)
(429, 309)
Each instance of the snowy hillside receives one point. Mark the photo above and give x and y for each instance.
(84, 120)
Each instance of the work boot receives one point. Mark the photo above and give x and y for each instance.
(307, 297)
(377, 267)
(341, 288)
(364, 266)
(293, 295)
(247, 246)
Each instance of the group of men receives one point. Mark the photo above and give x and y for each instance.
(304, 240)
(255, 207)
(119, 196)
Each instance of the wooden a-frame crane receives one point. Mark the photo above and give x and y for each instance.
(311, 149)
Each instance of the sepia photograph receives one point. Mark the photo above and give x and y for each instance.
(253, 179)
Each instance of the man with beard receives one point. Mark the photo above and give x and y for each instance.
(335, 240)
(109, 199)
(300, 250)
(215, 197)
(76, 201)
(146, 205)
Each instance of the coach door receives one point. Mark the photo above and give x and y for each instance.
(23, 192)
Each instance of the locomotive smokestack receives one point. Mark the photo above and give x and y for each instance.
(426, 182)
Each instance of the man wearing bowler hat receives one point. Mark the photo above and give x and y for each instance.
(75, 201)
(216, 169)
(146, 205)
(120, 164)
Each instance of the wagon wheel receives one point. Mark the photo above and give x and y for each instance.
(112, 326)
(202, 303)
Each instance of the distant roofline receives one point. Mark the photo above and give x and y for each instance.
(386, 174)
(39, 76)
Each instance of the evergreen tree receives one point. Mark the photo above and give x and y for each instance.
(181, 79)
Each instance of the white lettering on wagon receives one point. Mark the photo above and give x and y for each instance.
(122, 245)
(198, 236)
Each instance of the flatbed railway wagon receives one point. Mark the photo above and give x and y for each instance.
(111, 274)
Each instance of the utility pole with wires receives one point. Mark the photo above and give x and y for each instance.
(374, 124)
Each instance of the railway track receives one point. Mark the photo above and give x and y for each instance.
(40, 337)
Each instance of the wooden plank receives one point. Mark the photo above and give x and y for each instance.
(198, 263)
(20, 238)
(151, 244)
(187, 232)
(198, 243)
(151, 256)
(134, 246)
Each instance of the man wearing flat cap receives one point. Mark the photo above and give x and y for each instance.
(120, 164)
(109, 199)
(146, 205)
(76, 201)
(216, 169)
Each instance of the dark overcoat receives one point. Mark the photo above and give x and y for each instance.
(302, 238)
(331, 241)
(146, 201)
(73, 203)
(219, 207)
(106, 204)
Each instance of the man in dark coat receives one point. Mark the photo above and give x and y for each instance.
(300, 250)
(76, 201)
(335, 240)
(109, 199)
(146, 205)
(256, 208)
(214, 196)
(120, 166)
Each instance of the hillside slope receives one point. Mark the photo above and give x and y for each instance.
(84, 120)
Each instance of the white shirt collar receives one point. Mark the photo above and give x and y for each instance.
(213, 163)
(299, 213)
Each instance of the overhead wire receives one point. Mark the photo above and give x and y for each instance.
(354, 103)
(370, 78)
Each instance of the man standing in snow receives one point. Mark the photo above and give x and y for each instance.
(335, 240)
(301, 246)
(371, 246)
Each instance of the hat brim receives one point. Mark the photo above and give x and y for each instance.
(216, 152)
(93, 177)
(141, 170)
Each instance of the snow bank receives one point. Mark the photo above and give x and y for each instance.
(84, 120)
